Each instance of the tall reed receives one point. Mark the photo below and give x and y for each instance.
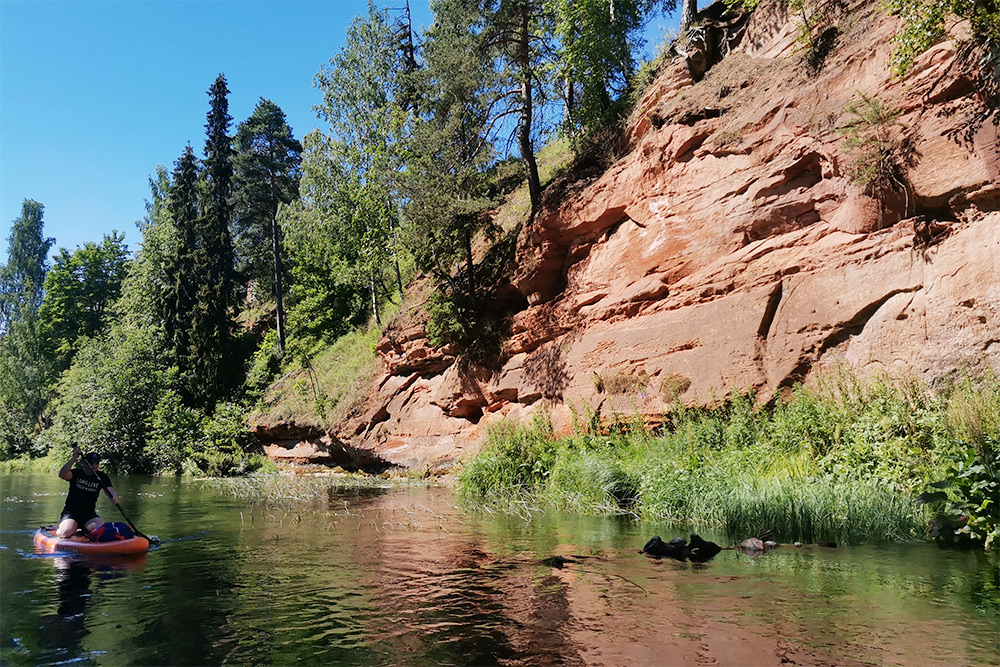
(842, 459)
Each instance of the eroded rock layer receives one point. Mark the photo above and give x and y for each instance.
(731, 250)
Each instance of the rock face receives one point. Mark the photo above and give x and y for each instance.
(290, 443)
(730, 250)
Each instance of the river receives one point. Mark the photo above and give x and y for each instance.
(405, 576)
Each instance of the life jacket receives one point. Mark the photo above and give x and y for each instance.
(109, 532)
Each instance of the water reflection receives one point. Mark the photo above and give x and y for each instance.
(78, 579)
(404, 576)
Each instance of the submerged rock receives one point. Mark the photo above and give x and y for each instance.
(702, 550)
(558, 561)
(698, 551)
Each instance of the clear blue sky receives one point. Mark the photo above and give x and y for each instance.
(94, 94)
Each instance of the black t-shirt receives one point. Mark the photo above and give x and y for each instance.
(84, 490)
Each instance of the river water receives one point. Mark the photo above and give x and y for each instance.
(404, 576)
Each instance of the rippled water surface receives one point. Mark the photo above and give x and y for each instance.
(404, 577)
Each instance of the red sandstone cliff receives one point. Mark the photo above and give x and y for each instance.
(729, 250)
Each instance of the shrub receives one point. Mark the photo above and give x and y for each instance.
(878, 150)
(968, 498)
(106, 398)
(174, 431)
(514, 464)
(264, 364)
(225, 442)
(842, 459)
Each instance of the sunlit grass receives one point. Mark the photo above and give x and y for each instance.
(552, 160)
(322, 391)
(843, 459)
(50, 463)
(289, 489)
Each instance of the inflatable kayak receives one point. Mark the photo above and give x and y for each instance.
(49, 543)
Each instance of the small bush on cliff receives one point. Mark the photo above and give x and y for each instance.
(878, 149)
(467, 310)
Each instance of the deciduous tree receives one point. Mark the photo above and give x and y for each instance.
(80, 288)
(23, 276)
(366, 101)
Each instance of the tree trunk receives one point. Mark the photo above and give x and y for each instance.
(408, 98)
(688, 11)
(470, 264)
(568, 87)
(570, 102)
(278, 291)
(524, 127)
(371, 284)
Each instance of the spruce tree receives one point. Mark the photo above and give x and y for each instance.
(212, 354)
(25, 370)
(179, 298)
(199, 298)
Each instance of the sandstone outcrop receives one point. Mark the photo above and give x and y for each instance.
(730, 250)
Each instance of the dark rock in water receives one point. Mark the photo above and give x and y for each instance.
(558, 561)
(698, 550)
(675, 548)
(702, 550)
(828, 543)
(753, 544)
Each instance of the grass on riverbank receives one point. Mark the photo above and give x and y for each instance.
(321, 388)
(841, 460)
(50, 463)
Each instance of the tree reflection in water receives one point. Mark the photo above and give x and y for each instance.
(74, 577)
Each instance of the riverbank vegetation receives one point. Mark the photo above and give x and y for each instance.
(843, 459)
(269, 268)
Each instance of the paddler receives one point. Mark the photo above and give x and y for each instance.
(85, 483)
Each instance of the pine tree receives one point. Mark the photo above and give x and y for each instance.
(212, 354)
(452, 147)
(520, 34)
(268, 168)
(179, 299)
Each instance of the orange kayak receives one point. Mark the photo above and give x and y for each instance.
(49, 543)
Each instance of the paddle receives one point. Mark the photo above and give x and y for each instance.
(152, 539)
